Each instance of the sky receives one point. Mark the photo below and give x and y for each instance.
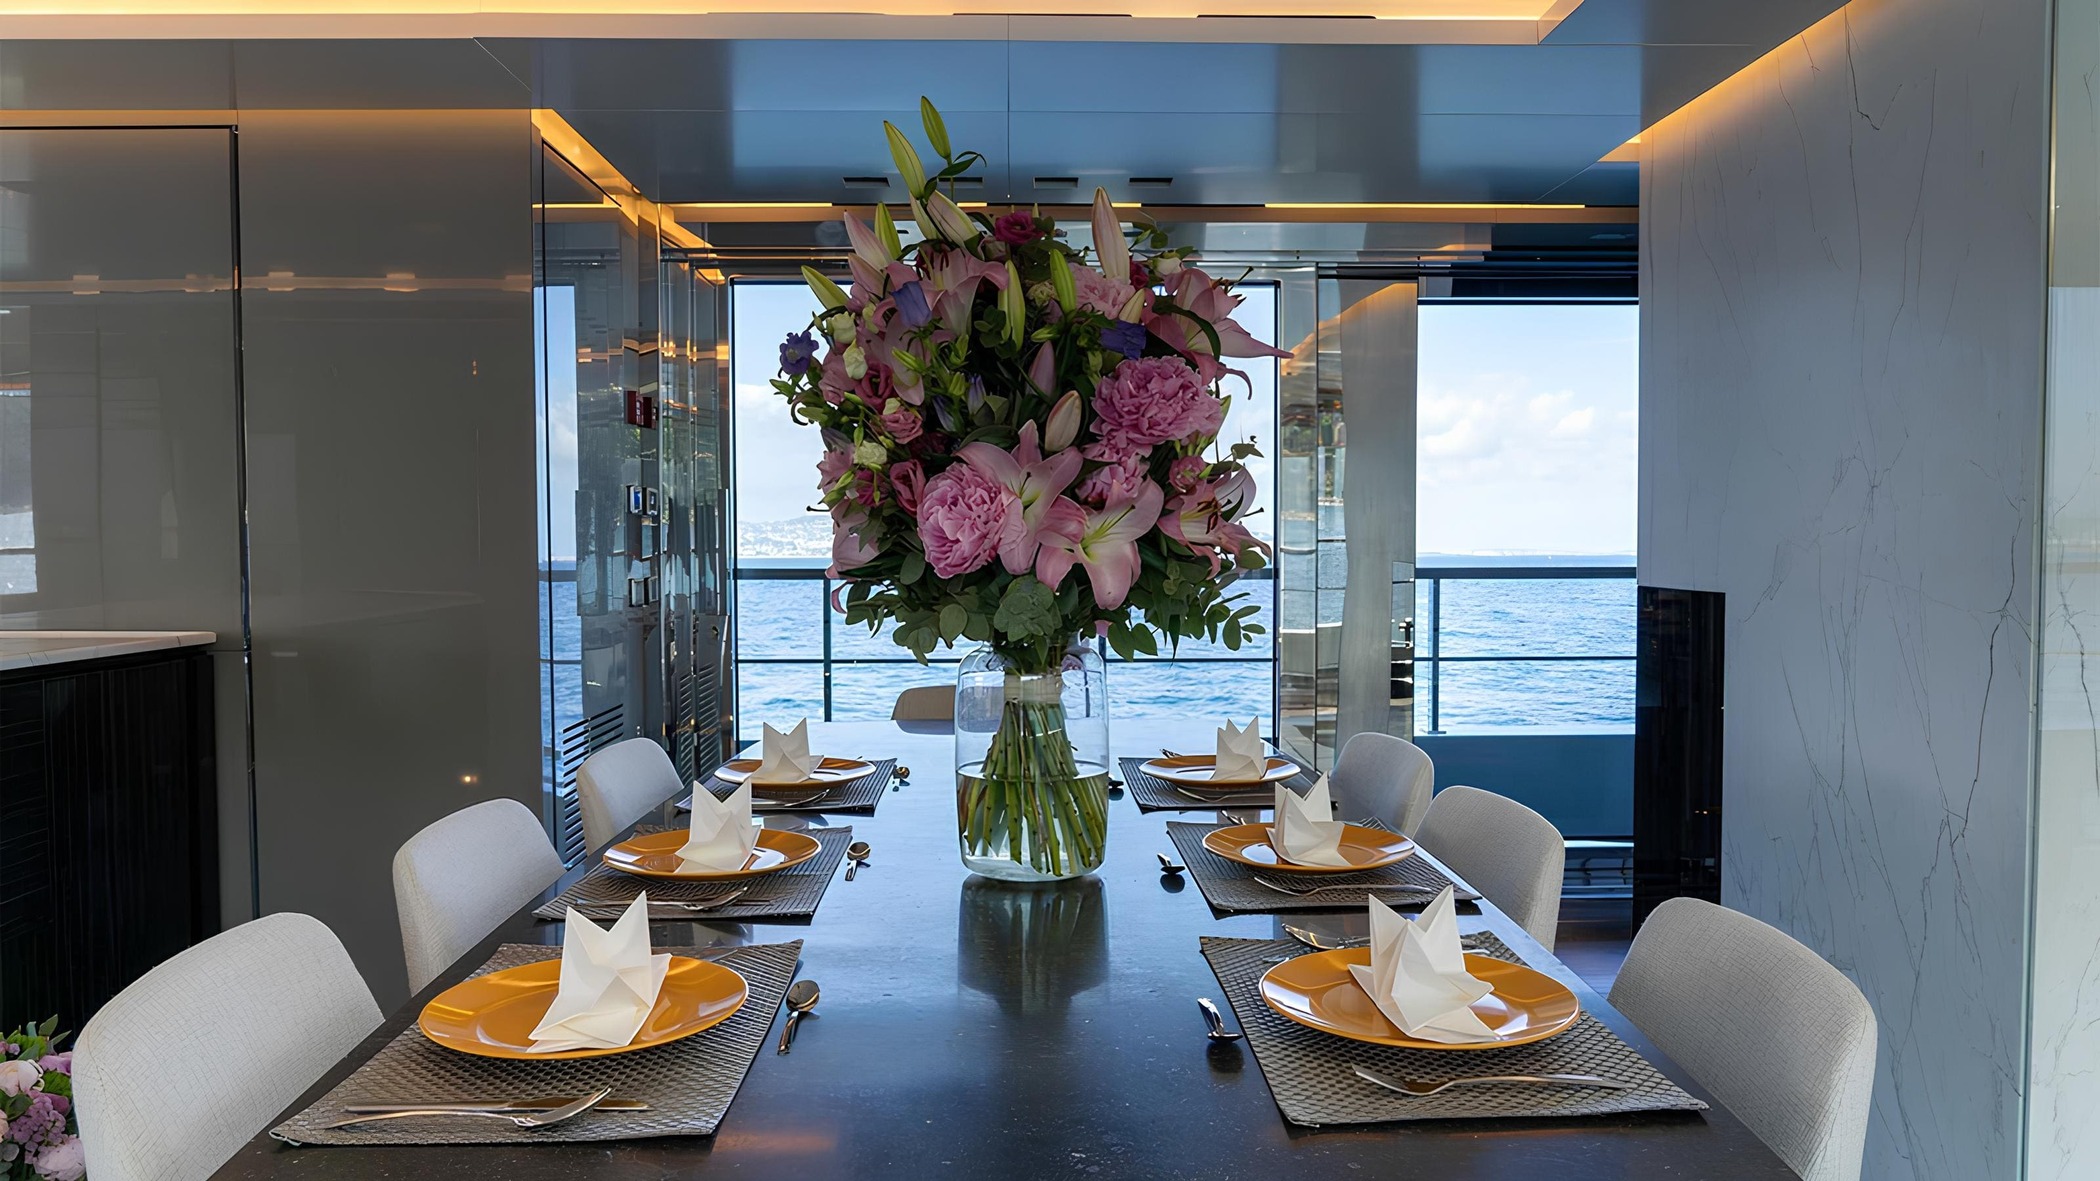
(1526, 428)
(1526, 440)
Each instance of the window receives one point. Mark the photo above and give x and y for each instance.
(1527, 477)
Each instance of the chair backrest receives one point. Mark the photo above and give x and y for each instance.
(458, 878)
(1503, 849)
(179, 1070)
(925, 703)
(1781, 1037)
(1385, 777)
(618, 785)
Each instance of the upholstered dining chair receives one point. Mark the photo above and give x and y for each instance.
(1777, 1034)
(462, 875)
(1505, 850)
(177, 1071)
(617, 785)
(1385, 777)
(925, 703)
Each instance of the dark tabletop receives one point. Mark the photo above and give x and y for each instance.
(971, 1029)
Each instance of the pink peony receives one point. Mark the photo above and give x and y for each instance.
(64, 1162)
(18, 1076)
(1119, 480)
(1185, 473)
(1099, 293)
(1152, 400)
(962, 517)
(908, 483)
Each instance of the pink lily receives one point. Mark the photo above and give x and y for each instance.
(1035, 481)
(1103, 540)
(1199, 518)
(853, 538)
(1198, 293)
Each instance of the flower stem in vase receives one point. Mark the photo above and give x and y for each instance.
(1033, 804)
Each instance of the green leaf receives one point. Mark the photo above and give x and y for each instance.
(1143, 640)
(1119, 639)
(936, 131)
(1027, 609)
(914, 567)
(953, 619)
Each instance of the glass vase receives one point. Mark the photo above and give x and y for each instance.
(1031, 765)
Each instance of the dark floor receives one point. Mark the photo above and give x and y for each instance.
(1593, 938)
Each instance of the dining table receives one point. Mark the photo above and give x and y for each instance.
(976, 1029)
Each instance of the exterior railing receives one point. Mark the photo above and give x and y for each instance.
(1430, 656)
(1429, 601)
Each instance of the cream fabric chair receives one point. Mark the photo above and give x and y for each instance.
(1505, 850)
(1385, 777)
(458, 878)
(926, 703)
(618, 785)
(199, 1054)
(1781, 1037)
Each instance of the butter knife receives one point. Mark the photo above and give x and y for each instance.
(543, 1103)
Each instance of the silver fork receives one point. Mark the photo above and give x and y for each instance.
(547, 1120)
(1358, 888)
(711, 902)
(1420, 1089)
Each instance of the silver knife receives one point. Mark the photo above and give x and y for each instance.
(543, 1103)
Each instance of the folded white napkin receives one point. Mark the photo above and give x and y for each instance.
(609, 982)
(784, 757)
(1306, 831)
(722, 837)
(1417, 976)
(1241, 757)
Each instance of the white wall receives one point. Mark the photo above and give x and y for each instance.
(1842, 268)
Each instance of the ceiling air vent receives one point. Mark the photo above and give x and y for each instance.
(968, 182)
(1057, 182)
(866, 182)
(1152, 182)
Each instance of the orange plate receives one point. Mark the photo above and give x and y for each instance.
(1196, 771)
(1317, 991)
(494, 1015)
(829, 773)
(655, 855)
(1365, 848)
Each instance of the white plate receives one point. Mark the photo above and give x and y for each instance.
(828, 772)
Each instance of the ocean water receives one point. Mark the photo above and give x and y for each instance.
(786, 621)
(780, 620)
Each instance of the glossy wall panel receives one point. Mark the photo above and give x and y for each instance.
(119, 413)
(2063, 1140)
(389, 382)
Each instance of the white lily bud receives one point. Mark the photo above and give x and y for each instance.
(828, 293)
(907, 159)
(953, 223)
(1064, 423)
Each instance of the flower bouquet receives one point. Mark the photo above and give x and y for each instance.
(1021, 449)
(39, 1136)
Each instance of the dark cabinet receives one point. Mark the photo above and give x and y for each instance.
(1677, 719)
(108, 827)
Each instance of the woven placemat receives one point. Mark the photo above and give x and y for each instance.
(1310, 1077)
(789, 894)
(1228, 885)
(855, 795)
(688, 1084)
(1154, 794)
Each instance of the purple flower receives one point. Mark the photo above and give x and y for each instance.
(912, 307)
(1124, 337)
(61, 1063)
(41, 1126)
(64, 1161)
(1016, 227)
(797, 352)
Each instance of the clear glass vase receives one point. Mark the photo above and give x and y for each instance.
(1031, 765)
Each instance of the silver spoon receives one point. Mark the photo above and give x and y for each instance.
(524, 1121)
(1168, 866)
(1216, 1021)
(801, 998)
(857, 852)
(1418, 1088)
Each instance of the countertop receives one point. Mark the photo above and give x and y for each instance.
(32, 649)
